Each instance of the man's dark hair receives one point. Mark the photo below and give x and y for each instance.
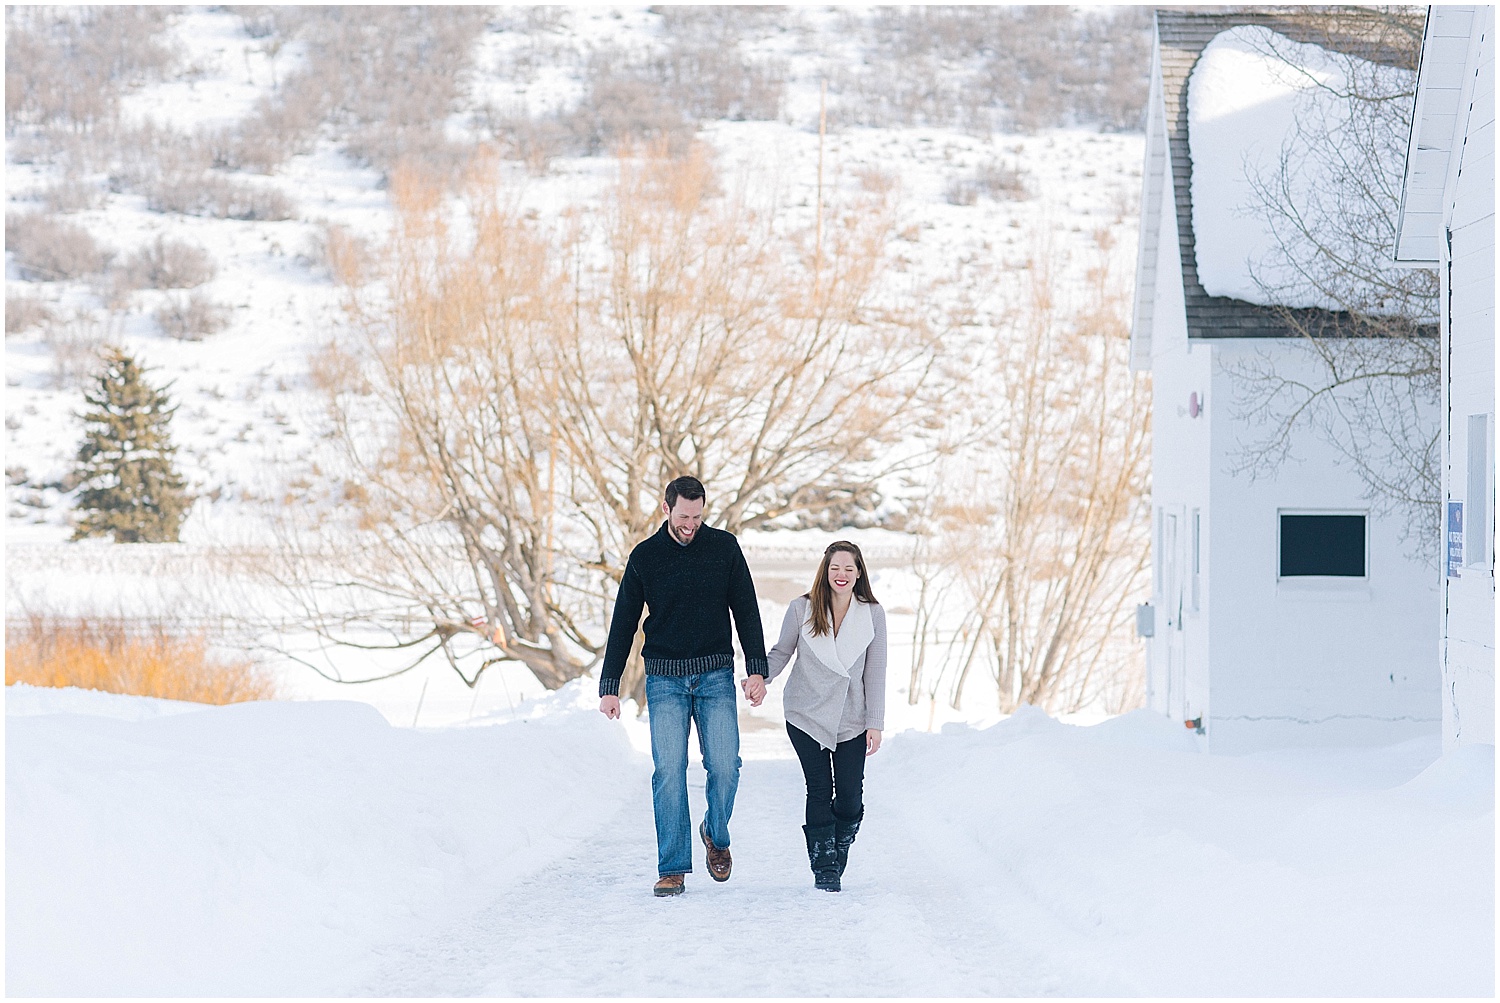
(686, 487)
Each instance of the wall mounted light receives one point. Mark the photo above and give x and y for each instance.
(1195, 407)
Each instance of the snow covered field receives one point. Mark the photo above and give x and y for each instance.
(310, 848)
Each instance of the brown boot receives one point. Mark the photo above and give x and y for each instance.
(668, 884)
(719, 861)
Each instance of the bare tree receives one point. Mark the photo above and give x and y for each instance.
(725, 344)
(1374, 381)
(451, 451)
(1043, 524)
(529, 389)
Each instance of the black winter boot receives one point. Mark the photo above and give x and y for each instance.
(823, 856)
(844, 832)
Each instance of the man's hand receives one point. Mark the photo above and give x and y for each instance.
(609, 706)
(755, 688)
(872, 741)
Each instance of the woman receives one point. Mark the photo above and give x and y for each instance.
(834, 701)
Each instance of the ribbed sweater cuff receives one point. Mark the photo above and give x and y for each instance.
(609, 686)
(756, 667)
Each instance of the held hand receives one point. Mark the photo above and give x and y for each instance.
(755, 689)
(609, 706)
(872, 741)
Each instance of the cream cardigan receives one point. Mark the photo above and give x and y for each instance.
(837, 688)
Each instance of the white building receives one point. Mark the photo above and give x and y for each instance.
(1284, 610)
(1447, 222)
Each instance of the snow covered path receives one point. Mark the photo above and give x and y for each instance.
(293, 849)
(588, 925)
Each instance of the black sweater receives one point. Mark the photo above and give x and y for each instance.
(690, 592)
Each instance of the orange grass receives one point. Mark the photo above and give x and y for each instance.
(118, 656)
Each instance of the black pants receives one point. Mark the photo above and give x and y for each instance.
(835, 780)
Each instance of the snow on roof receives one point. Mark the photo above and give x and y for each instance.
(1247, 95)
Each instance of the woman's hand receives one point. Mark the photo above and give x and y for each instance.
(755, 689)
(872, 741)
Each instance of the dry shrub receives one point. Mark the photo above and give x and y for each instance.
(140, 156)
(700, 75)
(191, 318)
(993, 67)
(278, 128)
(627, 103)
(204, 194)
(75, 341)
(72, 194)
(700, 72)
(876, 181)
(168, 264)
(24, 312)
(386, 78)
(391, 75)
(48, 249)
(344, 255)
(173, 170)
(150, 659)
(533, 141)
(992, 180)
(705, 68)
(71, 64)
(961, 191)
(998, 181)
(259, 21)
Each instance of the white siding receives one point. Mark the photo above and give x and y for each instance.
(1469, 630)
(1300, 661)
(1178, 658)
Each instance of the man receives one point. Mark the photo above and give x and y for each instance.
(691, 577)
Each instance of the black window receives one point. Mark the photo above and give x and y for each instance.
(1331, 545)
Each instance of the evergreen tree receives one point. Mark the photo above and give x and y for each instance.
(130, 487)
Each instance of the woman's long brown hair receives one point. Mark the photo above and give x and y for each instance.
(821, 596)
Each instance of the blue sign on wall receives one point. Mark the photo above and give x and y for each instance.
(1455, 538)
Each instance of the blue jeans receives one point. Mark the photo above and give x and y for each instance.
(708, 699)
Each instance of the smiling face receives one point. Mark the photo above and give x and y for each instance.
(843, 572)
(684, 519)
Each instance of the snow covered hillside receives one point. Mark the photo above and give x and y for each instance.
(311, 849)
(973, 205)
(249, 415)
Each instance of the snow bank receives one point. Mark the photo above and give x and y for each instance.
(34, 701)
(1248, 93)
(1142, 865)
(310, 848)
(263, 848)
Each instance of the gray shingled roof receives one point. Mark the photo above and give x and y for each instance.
(1182, 34)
